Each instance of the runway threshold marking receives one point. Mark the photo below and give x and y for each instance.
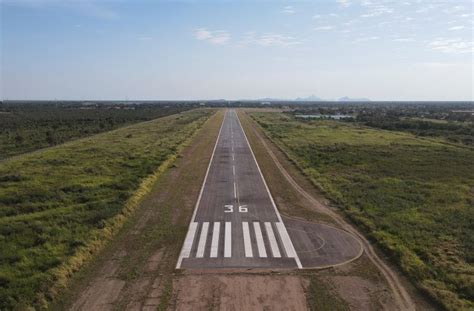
(185, 252)
(215, 239)
(228, 240)
(247, 242)
(285, 238)
(278, 242)
(289, 248)
(273, 241)
(260, 244)
(188, 242)
(202, 240)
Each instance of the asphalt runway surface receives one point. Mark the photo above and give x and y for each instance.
(236, 223)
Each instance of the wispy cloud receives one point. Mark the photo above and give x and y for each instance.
(438, 65)
(456, 28)
(376, 9)
(326, 27)
(365, 39)
(288, 10)
(95, 9)
(218, 37)
(404, 40)
(269, 40)
(452, 45)
(454, 9)
(344, 3)
(144, 38)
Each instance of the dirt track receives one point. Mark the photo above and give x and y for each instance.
(401, 296)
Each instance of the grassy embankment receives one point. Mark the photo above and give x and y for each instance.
(414, 197)
(59, 206)
(31, 126)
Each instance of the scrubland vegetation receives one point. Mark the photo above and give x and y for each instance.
(59, 205)
(413, 196)
(28, 126)
(452, 121)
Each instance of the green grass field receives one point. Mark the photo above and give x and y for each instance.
(25, 127)
(414, 197)
(59, 205)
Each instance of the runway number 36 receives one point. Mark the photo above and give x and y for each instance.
(230, 208)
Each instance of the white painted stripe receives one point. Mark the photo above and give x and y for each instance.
(228, 240)
(180, 258)
(188, 241)
(285, 238)
(233, 157)
(235, 191)
(202, 240)
(215, 239)
(260, 244)
(273, 241)
(247, 242)
(290, 244)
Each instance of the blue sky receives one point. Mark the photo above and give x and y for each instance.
(378, 49)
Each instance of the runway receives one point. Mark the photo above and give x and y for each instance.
(236, 223)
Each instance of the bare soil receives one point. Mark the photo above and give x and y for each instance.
(240, 292)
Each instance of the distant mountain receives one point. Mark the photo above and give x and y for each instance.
(269, 99)
(311, 98)
(348, 99)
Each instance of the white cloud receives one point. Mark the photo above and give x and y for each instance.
(326, 27)
(456, 28)
(404, 40)
(95, 9)
(364, 39)
(269, 39)
(344, 3)
(454, 9)
(288, 10)
(437, 65)
(144, 38)
(452, 45)
(376, 9)
(218, 37)
(316, 16)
